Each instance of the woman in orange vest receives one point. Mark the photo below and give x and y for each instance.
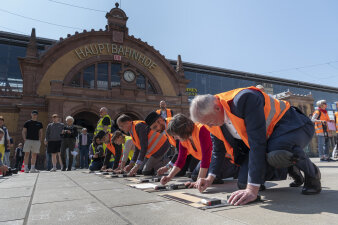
(260, 132)
(320, 117)
(194, 140)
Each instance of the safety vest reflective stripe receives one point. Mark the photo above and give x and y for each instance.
(100, 126)
(155, 140)
(131, 152)
(197, 154)
(274, 112)
(168, 112)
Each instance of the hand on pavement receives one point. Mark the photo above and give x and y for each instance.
(243, 197)
(191, 184)
(165, 179)
(128, 168)
(133, 171)
(3, 169)
(203, 183)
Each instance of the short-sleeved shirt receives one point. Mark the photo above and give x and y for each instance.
(33, 128)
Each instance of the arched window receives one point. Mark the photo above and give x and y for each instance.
(76, 82)
(115, 76)
(102, 76)
(89, 77)
(141, 81)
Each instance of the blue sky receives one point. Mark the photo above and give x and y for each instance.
(267, 37)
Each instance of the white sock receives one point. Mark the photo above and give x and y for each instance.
(26, 167)
(32, 167)
(54, 166)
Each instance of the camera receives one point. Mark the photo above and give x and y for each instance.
(100, 151)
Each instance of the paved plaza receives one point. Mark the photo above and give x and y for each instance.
(79, 198)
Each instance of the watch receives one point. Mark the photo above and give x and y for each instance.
(129, 76)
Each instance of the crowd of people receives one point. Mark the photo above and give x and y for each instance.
(243, 133)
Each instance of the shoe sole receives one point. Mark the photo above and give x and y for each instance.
(280, 159)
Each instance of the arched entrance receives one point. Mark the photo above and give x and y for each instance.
(86, 119)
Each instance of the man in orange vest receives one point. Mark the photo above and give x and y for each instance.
(257, 131)
(164, 111)
(148, 144)
(159, 124)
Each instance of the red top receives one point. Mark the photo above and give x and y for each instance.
(206, 146)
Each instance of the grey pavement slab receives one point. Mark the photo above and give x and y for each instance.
(170, 213)
(125, 196)
(55, 184)
(77, 212)
(13, 208)
(13, 222)
(14, 183)
(16, 192)
(59, 194)
(100, 185)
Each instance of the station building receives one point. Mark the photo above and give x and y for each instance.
(79, 74)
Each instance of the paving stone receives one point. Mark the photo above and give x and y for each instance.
(15, 183)
(77, 212)
(13, 222)
(13, 208)
(59, 194)
(125, 196)
(16, 192)
(54, 185)
(101, 185)
(170, 213)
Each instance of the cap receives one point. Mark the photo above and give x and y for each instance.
(35, 112)
(151, 118)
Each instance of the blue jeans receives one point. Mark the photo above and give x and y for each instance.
(96, 165)
(48, 160)
(6, 159)
(323, 147)
(84, 152)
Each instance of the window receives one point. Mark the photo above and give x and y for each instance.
(102, 76)
(76, 82)
(115, 76)
(151, 89)
(89, 77)
(141, 81)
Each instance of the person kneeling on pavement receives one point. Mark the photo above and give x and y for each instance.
(273, 135)
(97, 152)
(195, 140)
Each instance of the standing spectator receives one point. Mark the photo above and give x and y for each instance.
(18, 155)
(3, 168)
(53, 139)
(104, 123)
(320, 118)
(84, 141)
(4, 142)
(48, 158)
(32, 136)
(164, 111)
(68, 134)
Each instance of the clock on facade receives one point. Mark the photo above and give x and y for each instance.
(129, 76)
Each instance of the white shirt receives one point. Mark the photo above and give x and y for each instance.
(231, 127)
(2, 141)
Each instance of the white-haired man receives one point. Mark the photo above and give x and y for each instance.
(254, 129)
(68, 134)
(164, 111)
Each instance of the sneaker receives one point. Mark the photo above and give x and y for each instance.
(34, 171)
(53, 170)
(26, 171)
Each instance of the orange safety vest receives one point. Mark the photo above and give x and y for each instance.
(336, 117)
(155, 139)
(196, 153)
(110, 146)
(319, 125)
(168, 112)
(274, 110)
(171, 139)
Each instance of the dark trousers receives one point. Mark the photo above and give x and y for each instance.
(18, 162)
(84, 151)
(190, 164)
(294, 141)
(70, 144)
(96, 165)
